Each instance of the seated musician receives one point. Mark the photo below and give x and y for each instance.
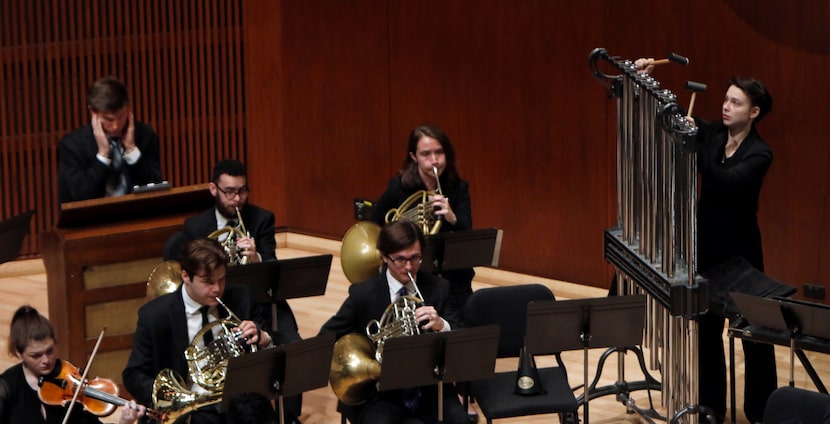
(32, 341)
(400, 246)
(111, 154)
(168, 324)
(229, 188)
(429, 147)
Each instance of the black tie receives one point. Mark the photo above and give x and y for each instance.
(120, 182)
(403, 291)
(208, 336)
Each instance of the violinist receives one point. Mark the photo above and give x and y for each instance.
(32, 340)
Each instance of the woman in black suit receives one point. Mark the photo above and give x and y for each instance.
(732, 161)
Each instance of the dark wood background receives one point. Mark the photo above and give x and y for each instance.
(319, 96)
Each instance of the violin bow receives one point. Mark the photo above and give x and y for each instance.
(83, 376)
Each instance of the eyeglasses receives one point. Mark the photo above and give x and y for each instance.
(230, 193)
(401, 261)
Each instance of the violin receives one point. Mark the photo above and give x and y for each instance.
(99, 396)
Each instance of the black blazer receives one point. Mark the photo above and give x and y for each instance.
(258, 221)
(161, 337)
(368, 301)
(729, 194)
(82, 176)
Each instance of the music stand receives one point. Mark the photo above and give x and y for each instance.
(459, 355)
(462, 249)
(768, 314)
(814, 332)
(560, 325)
(273, 281)
(814, 318)
(12, 233)
(285, 370)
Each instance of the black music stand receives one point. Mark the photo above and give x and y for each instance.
(12, 233)
(765, 314)
(459, 355)
(561, 325)
(273, 281)
(462, 249)
(285, 370)
(802, 322)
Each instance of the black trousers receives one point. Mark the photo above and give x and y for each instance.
(760, 376)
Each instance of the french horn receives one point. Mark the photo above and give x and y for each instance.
(206, 367)
(360, 258)
(228, 242)
(356, 358)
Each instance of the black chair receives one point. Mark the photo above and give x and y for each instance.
(790, 405)
(507, 307)
(174, 245)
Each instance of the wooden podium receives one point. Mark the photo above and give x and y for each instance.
(97, 263)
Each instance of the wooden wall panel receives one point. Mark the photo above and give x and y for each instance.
(181, 61)
(337, 85)
(358, 77)
(335, 108)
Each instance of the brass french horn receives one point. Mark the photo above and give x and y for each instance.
(165, 278)
(356, 359)
(418, 209)
(229, 241)
(206, 367)
(360, 258)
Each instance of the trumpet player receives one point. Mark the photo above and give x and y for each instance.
(400, 245)
(168, 324)
(429, 164)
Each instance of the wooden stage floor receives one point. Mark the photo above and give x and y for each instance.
(24, 282)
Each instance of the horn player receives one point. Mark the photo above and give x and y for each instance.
(400, 244)
(168, 324)
(429, 164)
(230, 190)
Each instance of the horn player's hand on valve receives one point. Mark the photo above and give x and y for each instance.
(429, 319)
(247, 248)
(441, 206)
(253, 335)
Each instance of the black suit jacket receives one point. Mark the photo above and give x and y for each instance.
(368, 301)
(161, 337)
(82, 176)
(258, 221)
